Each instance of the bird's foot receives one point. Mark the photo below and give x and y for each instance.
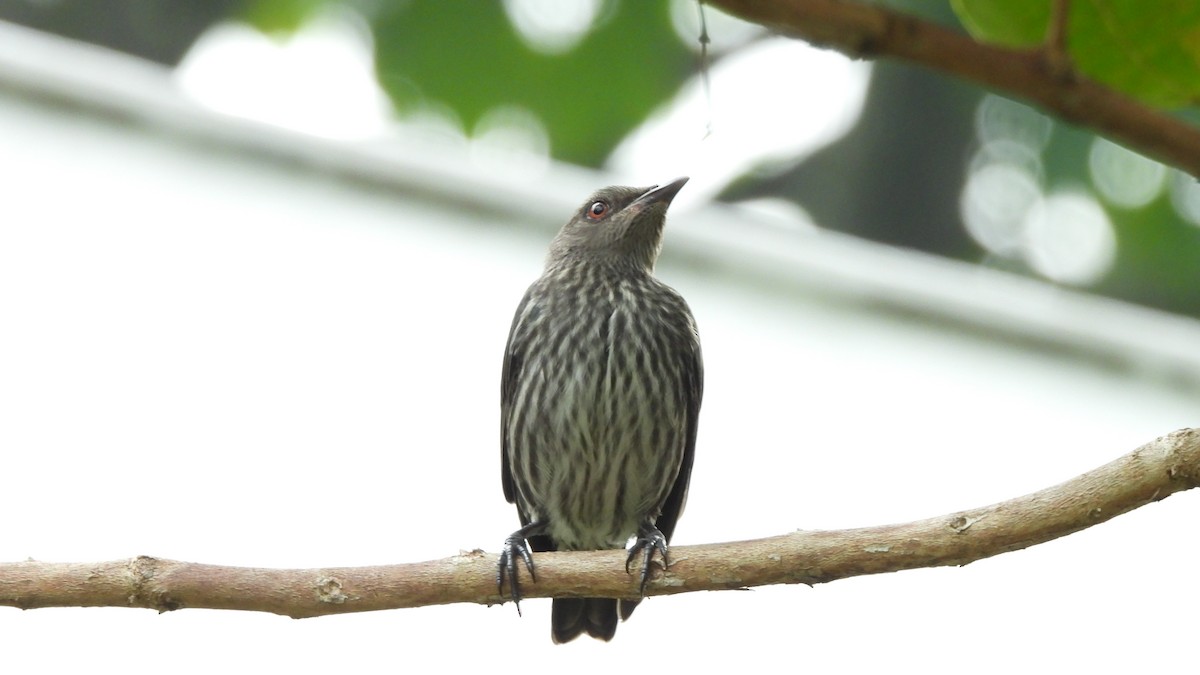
(515, 547)
(648, 541)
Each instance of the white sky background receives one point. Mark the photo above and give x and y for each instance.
(209, 360)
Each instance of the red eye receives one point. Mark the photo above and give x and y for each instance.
(597, 210)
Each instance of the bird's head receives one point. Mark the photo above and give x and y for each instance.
(621, 225)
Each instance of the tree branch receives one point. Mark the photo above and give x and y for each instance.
(1154, 471)
(1040, 76)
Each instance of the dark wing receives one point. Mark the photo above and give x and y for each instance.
(694, 384)
(513, 361)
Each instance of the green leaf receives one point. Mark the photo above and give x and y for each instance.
(279, 16)
(466, 55)
(1150, 50)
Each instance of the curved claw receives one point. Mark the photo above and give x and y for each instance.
(515, 546)
(648, 541)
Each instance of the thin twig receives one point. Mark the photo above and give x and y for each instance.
(1058, 59)
(1056, 32)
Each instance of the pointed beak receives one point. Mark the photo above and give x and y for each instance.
(661, 193)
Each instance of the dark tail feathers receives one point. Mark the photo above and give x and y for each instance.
(571, 617)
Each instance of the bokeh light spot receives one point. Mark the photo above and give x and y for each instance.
(319, 80)
(999, 118)
(511, 139)
(1122, 177)
(552, 26)
(1069, 238)
(994, 203)
(1185, 196)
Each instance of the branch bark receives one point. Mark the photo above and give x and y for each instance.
(1154, 471)
(1037, 75)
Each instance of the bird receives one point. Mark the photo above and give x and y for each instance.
(600, 397)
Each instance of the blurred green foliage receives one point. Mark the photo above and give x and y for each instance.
(280, 16)
(1151, 51)
(1148, 49)
(897, 177)
(589, 98)
(466, 56)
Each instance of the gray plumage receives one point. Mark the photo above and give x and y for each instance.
(600, 396)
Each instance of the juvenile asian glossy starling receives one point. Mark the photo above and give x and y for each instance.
(599, 400)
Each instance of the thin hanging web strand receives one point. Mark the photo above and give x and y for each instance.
(708, 126)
